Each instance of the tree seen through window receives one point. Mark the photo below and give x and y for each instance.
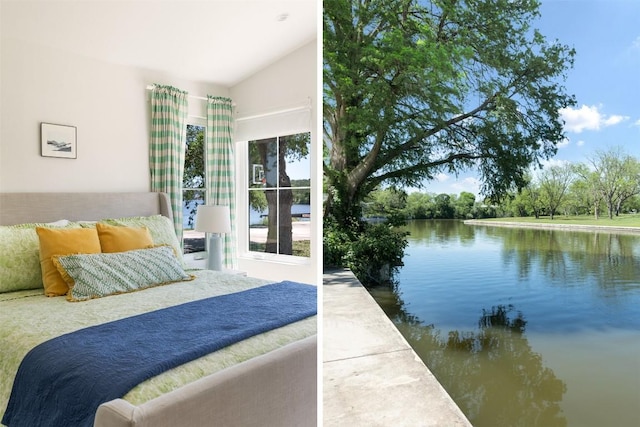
(280, 195)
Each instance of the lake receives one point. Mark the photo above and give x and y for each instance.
(524, 327)
(255, 217)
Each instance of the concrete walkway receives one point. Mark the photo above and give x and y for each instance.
(371, 376)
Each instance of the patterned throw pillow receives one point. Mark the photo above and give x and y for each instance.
(20, 256)
(99, 275)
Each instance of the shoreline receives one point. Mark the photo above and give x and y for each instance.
(566, 227)
(300, 230)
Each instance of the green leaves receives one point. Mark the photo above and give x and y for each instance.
(415, 87)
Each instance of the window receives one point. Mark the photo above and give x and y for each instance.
(279, 194)
(193, 188)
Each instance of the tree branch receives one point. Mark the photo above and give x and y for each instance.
(378, 179)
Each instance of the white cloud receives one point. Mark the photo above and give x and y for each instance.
(469, 184)
(564, 143)
(580, 143)
(637, 123)
(614, 120)
(588, 118)
(554, 162)
(442, 177)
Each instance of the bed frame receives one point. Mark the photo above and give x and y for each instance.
(276, 389)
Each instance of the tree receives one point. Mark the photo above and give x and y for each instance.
(272, 154)
(389, 203)
(412, 88)
(616, 176)
(631, 186)
(419, 206)
(193, 177)
(554, 183)
(443, 207)
(588, 187)
(464, 205)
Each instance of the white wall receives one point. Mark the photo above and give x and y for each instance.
(107, 103)
(291, 81)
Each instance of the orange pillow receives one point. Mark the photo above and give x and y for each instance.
(63, 242)
(114, 238)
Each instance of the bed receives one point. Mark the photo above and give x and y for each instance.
(269, 379)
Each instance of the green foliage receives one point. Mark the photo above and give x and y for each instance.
(554, 183)
(419, 206)
(615, 178)
(610, 180)
(193, 177)
(258, 200)
(416, 87)
(336, 243)
(396, 206)
(372, 253)
(301, 248)
(194, 158)
(389, 203)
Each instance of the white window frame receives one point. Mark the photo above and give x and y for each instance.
(286, 121)
(242, 213)
(200, 122)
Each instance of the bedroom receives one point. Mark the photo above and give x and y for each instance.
(89, 65)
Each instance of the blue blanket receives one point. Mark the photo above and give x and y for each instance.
(63, 381)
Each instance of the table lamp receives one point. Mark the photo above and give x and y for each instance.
(214, 220)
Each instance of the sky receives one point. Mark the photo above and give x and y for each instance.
(605, 81)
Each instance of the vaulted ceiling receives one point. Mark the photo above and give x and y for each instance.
(216, 41)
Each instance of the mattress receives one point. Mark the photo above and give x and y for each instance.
(28, 318)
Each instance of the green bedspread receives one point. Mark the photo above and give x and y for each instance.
(28, 318)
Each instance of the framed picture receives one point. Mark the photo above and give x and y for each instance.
(58, 141)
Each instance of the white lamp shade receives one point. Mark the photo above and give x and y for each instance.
(213, 219)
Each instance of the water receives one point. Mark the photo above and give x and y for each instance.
(189, 218)
(525, 327)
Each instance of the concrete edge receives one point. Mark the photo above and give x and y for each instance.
(573, 227)
(371, 375)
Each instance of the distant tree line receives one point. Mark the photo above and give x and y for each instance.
(609, 182)
(396, 206)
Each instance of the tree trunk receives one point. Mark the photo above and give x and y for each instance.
(279, 227)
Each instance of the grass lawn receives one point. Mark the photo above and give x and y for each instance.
(629, 220)
(300, 247)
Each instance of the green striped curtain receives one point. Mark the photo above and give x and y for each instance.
(220, 166)
(167, 145)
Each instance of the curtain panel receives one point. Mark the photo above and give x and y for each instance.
(220, 166)
(167, 146)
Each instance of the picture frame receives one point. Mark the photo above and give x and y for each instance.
(58, 141)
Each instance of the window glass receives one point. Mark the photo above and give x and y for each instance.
(193, 188)
(280, 195)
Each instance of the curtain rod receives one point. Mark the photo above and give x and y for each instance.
(280, 111)
(151, 87)
(298, 107)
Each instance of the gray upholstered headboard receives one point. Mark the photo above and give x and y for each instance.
(18, 208)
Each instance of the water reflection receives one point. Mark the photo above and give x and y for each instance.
(440, 231)
(492, 373)
(609, 259)
(524, 327)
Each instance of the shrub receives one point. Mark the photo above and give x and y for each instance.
(372, 253)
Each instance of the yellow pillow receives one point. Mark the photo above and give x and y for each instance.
(114, 238)
(63, 242)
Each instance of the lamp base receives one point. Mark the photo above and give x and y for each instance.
(214, 260)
